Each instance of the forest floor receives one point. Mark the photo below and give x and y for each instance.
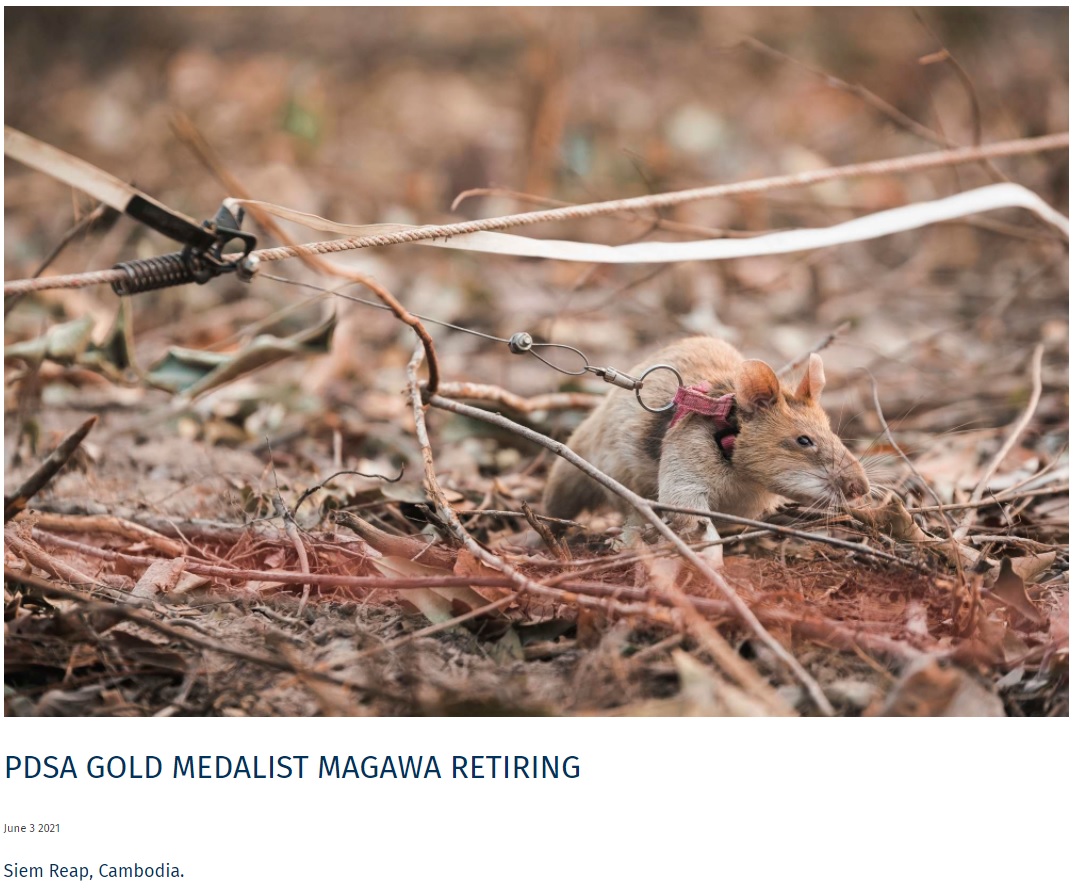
(264, 541)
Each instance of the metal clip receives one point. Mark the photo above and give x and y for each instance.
(616, 377)
(522, 342)
(196, 263)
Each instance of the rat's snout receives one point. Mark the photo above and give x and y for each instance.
(854, 483)
(856, 486)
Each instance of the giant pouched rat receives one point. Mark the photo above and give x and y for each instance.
(773, 444)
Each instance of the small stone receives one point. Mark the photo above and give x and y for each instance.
(854, 693)
(791, 694)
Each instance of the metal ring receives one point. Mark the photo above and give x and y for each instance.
(670, 404)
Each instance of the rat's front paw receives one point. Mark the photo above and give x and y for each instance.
(690, 528)
(713, 556)
(697, 529)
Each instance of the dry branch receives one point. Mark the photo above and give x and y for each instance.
(107, 524)
(554, 401)
(41, 476)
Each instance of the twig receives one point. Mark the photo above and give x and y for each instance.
(107, 524)
(291, 531)
(856, 89)
(518, 514)
(556, 545)
(1009, 442)
(784, 531)
(434, 629)
(36, 556)
(835, 633)
(819, 346)
(345, 581)
(205, 529)
(554, 401)
(388, 544)
(1045, 470)
(646, 510)
(995, 500)
(661, 647)
(903, 454)
(945, 519)
(401, 312)
(944, 55)
(301, 553)
(330, 478)
(284, 618)
(41, 476)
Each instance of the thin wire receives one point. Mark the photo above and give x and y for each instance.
(588, 368)
(326, 291)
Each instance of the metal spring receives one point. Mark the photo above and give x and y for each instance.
(154, 273)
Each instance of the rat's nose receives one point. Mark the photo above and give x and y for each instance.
(857, 486)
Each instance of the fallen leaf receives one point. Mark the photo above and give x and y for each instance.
(1030, 568)
(192, 372)
(434, 603)
(893, 519)
(1011, 590)
(705, 693)
(929, 688)
(62, 343)
(467, 564)
(160, 577)
(144, 651)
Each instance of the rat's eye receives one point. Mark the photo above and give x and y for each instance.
(805, 441)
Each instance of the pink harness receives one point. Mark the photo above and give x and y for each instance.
(696, 400)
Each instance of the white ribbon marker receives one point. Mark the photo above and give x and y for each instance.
(875, 225)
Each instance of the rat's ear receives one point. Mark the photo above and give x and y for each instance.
(813, 382)
(756, 386)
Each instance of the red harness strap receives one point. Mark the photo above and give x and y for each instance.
(696, 400)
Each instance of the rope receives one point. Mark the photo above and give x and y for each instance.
(929, 160)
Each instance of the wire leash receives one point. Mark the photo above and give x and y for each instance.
(523, 343)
